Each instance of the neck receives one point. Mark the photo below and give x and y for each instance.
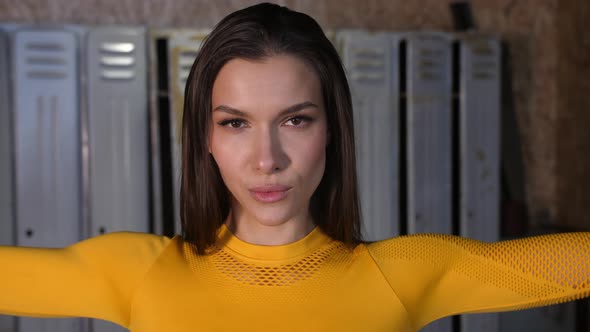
(255, 232)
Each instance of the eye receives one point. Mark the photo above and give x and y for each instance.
(299, 121)
(232, 123)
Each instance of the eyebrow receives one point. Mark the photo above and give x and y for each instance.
(288, 110)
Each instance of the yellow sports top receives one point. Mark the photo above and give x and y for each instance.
(150, 283)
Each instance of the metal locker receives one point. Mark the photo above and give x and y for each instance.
(479, 126)
(428, 75)
(183, 47)
(7, 323)
(372, 68)
(117, 129)
(428, 125)
(118, 134)
(47, 147)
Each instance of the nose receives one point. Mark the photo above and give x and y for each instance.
(269, 154)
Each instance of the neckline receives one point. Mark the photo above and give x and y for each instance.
(310, 242)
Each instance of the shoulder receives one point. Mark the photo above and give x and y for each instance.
(122, 245)
(422, 246)
(125, 238)
(419, 239)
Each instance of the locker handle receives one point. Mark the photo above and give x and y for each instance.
(29, 232)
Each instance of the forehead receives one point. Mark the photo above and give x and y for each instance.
(270, 83)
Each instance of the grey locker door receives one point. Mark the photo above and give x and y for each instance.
(372, 67)
(428, 88)
(429, 132)
(118, 130)
(7, 323)
(183, 47)
(118, 134)
(47, 148)
(479, 108)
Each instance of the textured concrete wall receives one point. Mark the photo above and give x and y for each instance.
(573, 117)
(530, 28)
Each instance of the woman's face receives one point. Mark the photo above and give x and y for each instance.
(268, 137)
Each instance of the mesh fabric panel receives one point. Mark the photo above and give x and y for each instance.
(245, 280)
(547, 269)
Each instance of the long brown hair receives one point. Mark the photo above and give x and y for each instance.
(254, 33)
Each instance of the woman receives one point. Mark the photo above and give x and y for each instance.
(270, 218)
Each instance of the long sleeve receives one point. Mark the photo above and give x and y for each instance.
(93, 278)
(441, 275)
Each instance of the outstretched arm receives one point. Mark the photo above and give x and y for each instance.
(441, 275)
(93, 278)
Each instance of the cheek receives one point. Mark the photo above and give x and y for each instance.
(311, 159)
(315, 158)
(227, 154)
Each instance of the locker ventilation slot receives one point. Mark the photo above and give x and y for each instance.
(185, 63)
(117, 61)
(368, 65)
(429, 66)
(45, 60)
(51, 47)
(485, 67)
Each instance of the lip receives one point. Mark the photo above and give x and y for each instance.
(270, 194)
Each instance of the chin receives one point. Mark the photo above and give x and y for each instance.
(272, 219)
(270, 215)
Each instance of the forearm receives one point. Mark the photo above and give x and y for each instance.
(440, 275)
(514, 274)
